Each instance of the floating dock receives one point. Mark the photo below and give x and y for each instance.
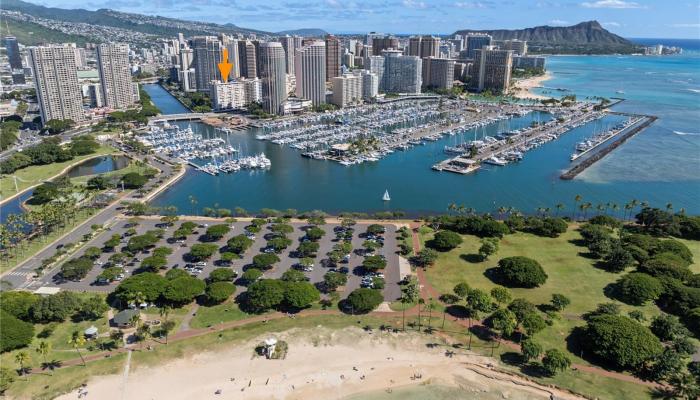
(621, 138)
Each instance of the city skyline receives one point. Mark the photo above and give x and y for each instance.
(644, 19)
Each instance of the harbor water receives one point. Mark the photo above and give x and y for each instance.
(659, 165)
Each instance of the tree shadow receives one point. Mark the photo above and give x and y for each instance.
(457, 311)
(534, 369)
(471, 258)
(494, 275)
(512, 358)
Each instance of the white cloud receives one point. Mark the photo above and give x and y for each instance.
(611, 4)
(414, 4)
(558, 22)
(470, 4)
(612, 23)
(685, 25)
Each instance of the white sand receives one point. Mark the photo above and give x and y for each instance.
(313, 369)
(523, 87)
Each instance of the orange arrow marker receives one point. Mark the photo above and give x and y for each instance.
(225, 66)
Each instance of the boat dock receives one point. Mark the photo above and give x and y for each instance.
(515, 145)
(643, 122)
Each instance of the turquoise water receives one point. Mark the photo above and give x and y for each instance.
(659, 165)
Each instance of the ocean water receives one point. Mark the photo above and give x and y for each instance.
(661, 165)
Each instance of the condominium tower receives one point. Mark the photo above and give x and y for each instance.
(492, 68)
(402, 74)
(206, 57)
(332, 57)
(273, 76)
(117, 90)
(310, 69)
(56, 81)
(15, 59)
(475, 42)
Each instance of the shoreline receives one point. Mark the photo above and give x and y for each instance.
(523, 88)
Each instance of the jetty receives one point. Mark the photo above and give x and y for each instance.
(621, 137)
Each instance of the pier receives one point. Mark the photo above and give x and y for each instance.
(634, 129)
(532, 137)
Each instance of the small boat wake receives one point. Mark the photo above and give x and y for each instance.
(687, 133)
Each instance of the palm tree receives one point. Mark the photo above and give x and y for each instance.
(420, 303)
(77, 340)
(404, 300)
(559, 207)
(601, 208)
(144, 333)
(164, 313)
(577, 199)
(451, 207)
(193, 203)
(44, 349)
(430, 306)
(669, 207)
(22, 358)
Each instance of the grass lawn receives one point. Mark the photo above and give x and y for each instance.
(36, 174)
(568, 273)
(132, 167)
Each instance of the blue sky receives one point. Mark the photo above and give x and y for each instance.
(650, 18)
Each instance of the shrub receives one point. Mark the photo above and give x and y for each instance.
(620, 341)
(18, 303)
(56, 307)
(637, 288)
(618, 259)
(530, 349)
(521, 272)
(265, 260)
(364, 300)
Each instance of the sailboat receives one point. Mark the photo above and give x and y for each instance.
(386, 196)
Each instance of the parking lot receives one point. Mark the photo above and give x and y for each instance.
(288, 258)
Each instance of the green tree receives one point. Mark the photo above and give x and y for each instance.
(332, 280)
(222, 275)
(554, 361)
(15, 333)
(251, 275)
(300, 294)
(521, 271)
(374, 263)
(239, 243)
(501, 295)
(265, 260)
(293, 275)
(216, 232)
(620, 340)
(265, 294)
(503, 320)
(489, 246)
(559, 301)
(445, 241)
(530, 349)
(637, 288)
(479, 300)
(364, 300)
(218, 292)
(183, 290)
(77, 340)
(202, 251)
(22, 358)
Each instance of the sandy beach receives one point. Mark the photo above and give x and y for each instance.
(523, 87)
(321, 364)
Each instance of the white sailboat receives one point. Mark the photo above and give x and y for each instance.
(386, 196)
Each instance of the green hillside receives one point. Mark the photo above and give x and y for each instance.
(30, 34)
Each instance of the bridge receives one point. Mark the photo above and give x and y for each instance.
(180, 117)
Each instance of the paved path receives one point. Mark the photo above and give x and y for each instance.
(185, 324)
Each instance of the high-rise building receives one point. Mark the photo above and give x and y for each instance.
(370, 84)
(94, 95)
(288, 45)
(375, 65)
(458, 44)
(347, 89)
(349, 60)
(247, 59)
(529, 62)
(310, 69)
(519, 47)
(380, 44)
(115, 76)
(429, 47)
(476, 41)
(438, 73)
(492, 69)
(273, 77)
(333, 54)
(402, 74)
(231, 45)
(206, 57)
(235, 94)
(414, 46)
(56, 81)
(369, 38)
(15, 59)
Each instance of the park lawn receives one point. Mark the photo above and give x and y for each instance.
(568, 272)
(176, 315)
(694, 246)
(36, 174)
(132, 167)
(212, 315)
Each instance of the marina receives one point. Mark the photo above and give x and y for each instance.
(589, 145)
(511, 146)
